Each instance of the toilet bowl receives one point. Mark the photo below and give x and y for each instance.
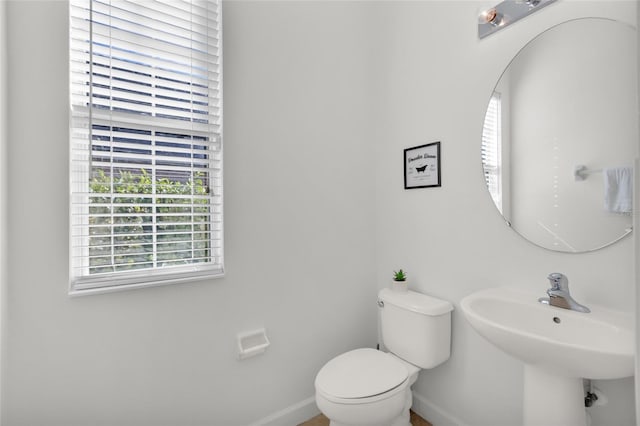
(368, 387)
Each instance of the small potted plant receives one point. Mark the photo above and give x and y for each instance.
(399, 281)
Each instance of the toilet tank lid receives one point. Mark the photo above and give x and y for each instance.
(415, 302)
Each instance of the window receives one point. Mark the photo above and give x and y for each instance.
(492, 149)
(146, 149)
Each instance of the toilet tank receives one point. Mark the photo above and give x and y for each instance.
(415, 327)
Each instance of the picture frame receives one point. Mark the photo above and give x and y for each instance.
(422, 166)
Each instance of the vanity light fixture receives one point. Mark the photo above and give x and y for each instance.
(532, 3)
(492, 17)
(506, 13)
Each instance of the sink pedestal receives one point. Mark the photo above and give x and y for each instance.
(551, 399)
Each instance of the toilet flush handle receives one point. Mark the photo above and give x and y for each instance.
(380, 303)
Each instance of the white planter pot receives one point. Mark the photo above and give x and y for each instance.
(399, 285)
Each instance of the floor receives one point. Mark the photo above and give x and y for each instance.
(321, 420)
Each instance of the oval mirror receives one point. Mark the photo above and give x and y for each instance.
(560, 136)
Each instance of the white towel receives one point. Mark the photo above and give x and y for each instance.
(618, 189)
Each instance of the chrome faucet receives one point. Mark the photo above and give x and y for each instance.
(559, 295)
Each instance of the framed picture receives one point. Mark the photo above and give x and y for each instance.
(422, 166)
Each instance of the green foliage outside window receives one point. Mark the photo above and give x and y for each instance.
(141, 222)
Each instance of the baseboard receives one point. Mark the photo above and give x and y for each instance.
(292, 415)
(306, 409)
(433, 413)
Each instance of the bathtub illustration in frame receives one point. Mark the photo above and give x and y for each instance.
(422, 166)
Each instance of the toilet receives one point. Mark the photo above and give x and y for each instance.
(373, 388)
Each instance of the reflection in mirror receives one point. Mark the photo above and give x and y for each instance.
(559, 136)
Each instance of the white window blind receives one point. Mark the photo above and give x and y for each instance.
(492, 151)
(146, 150)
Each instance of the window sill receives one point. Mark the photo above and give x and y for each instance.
(106, 285)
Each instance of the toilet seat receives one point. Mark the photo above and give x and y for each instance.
(361, 376)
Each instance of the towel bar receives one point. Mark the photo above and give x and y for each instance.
(580, 172)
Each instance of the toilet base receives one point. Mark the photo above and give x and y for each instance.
(404, 419)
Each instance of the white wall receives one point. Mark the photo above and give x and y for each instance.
(299, 235)
(320, 100)
(3, 184)
(636, 235)
(450, 239)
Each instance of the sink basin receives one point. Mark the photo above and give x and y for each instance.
(559, 348)
(595, 345)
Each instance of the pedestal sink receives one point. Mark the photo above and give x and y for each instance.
(559, 347)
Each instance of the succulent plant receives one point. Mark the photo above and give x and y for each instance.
(399, 275)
